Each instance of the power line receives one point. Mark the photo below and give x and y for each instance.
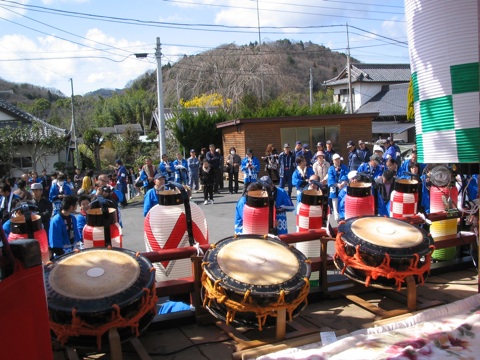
(328, 7)
(55, 36)
(279, 11)
(56, 28)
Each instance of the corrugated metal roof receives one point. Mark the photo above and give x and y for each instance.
(390, 101)
(373, 73)
(390, 127)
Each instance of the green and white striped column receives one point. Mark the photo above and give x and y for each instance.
(443, 38)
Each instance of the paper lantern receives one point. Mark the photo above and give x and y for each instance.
(20, 229)
(95, 231)
(165, 227)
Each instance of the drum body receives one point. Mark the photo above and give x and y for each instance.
(255, 213)
(359, 200)
(18, 227)
(382, 252)
(247, 278)
(404, 198)
(93, 290)
(94, 231)
(165, 227)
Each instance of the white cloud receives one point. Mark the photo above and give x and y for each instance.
(93, 69)
(17, 11)
(395, 29)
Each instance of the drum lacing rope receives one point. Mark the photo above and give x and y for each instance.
(79, 327)
(384, 270)
(213, 291)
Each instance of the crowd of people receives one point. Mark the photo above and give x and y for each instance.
(63, 201)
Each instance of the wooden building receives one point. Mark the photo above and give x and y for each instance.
(256, 134)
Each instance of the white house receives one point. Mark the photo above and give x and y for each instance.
(13, 117)
(367, 81)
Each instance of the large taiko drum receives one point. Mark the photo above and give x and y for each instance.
(166, 226)
(256, 213)
(94, 290)
(20, 229)
(359, 200)
(102, 228)
(404, 198)
(382, 252)
(247, 278)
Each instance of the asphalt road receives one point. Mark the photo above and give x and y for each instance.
(220, 219)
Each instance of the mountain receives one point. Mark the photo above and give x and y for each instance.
(274, 69)
(267, 71)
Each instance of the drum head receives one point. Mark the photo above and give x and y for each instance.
(94, 274)
(263, 266)
(258, 262)
(387, 232)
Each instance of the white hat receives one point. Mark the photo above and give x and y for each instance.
(352, 174)
(36, 186)
(377, 148)
(336, 156)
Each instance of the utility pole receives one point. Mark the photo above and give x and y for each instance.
(78, 162)
(259, 50)
(161, 111)
(311, 88)
(350, 97)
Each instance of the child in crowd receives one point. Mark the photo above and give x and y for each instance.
(207, 175)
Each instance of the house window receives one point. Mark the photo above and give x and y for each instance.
(310, 135)
(23, 162)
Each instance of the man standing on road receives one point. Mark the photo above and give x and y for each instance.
(250, 167)
(213, 159)
(122, 175)
(286, 163)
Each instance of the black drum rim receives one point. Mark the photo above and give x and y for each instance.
(295, 283)
(312, 197)
(65, 304)
(349, 238)
(406, 186)
(359, 189)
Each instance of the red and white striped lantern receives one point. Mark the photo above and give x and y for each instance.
(40, 236)
(18, 230)
(309, 217)
(438, 194)
(441, 199)
(94, 236)
(165, 227)
(359, 200)
(255, 213)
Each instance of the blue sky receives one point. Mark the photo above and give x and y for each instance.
(93, 42)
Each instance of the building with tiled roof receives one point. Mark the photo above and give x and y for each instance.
(391, 105)
(367, 81)
(22, 159)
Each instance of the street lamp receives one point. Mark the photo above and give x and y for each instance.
(161, 111)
